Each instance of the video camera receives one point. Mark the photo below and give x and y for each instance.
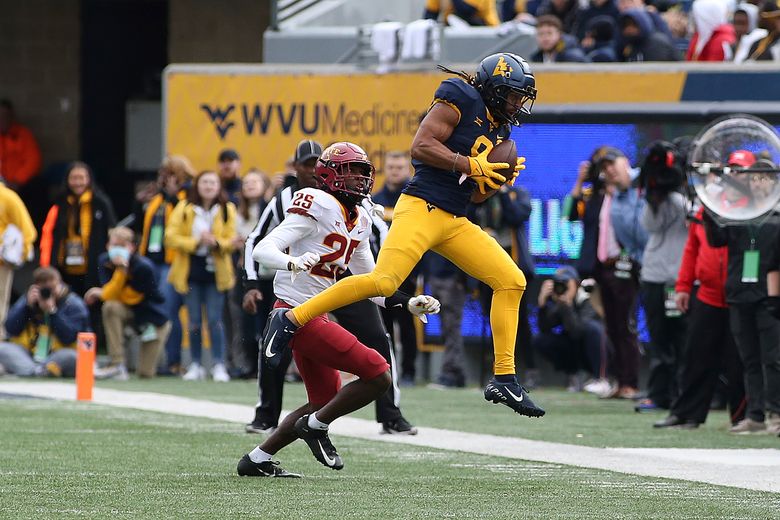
(663, 170)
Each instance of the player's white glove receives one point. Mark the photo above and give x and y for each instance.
(422, 305)
(306, 261)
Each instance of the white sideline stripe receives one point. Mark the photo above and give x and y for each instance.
(756, 469)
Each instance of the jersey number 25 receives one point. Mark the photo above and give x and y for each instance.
(342, 246)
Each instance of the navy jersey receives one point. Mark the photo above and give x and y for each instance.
(476, 131)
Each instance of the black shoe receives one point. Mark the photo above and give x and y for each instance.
(276, 339)
(399, 426)
(514, 396)
(259, 426)
(319, 443)
(268, 468)
(673, 421)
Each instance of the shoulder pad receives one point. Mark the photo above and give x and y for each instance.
(456, 93)
(313, 203)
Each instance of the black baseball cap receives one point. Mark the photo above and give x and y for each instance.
(228, 154)
(307, 149)
(606, 153)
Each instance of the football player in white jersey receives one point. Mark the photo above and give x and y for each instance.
(326, 231)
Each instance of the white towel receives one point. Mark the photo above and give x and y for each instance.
(384, 40)
(416, 34)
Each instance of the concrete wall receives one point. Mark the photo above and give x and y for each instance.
(228, 31)
(39, 71)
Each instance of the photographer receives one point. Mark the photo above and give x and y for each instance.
(664, 219)
(612, 248)
(571, 333)
(43, 325)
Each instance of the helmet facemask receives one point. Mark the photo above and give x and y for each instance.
(525, 98)
(352, 181)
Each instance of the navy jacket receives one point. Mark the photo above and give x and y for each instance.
(143, 279)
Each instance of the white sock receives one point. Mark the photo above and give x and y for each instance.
(257, 455)
(316, 424)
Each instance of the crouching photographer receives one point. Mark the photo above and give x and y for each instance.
(43, 325)
(571, 333)
(664, 218)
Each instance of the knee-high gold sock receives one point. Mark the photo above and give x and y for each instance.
(349, 290)
(504, 313)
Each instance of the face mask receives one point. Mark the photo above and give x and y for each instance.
(119, 252)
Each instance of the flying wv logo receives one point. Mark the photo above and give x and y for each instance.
(220, 118)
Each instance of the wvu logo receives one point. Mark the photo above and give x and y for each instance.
(502, 68)
(220, 118)
(430, 206)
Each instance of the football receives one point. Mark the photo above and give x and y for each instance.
(506, 152)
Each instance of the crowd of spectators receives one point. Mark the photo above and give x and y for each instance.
(630, 30)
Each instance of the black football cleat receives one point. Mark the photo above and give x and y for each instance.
(514, 396)
(276, 340)
(319, 443)
(259, 427)
(398, 426)
(267, 468)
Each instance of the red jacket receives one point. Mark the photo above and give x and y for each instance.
(705, 263)
(714, 48)
(20, 158)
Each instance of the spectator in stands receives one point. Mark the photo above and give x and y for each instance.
(20, 158)
(567, 11)
(767, 48)
(398, 172)
(447, 284)
(251, 204)
(76, 229)
(640, 41)
(43, 325)
(554, 46)
(596, 9)
(612, 249)
(130, 292)
(599, 40)
(229, 166)
(201, 231)
(519, 10)
(473, 12)
(150, 221)
(571, 332)
(746, 30)
(657, 20)
(756, 331)
(710, 344)
(664, 219)
(714, 36)
(677, 21)
(17, 235)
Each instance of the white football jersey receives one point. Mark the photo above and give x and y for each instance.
(327, 232)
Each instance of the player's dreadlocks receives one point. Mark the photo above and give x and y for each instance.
(470, 79)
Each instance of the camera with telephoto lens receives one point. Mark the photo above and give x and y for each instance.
(560, 287)
(45, 293)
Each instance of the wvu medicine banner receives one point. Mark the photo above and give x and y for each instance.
(264, 116)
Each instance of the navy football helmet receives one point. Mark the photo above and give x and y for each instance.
(498, 77)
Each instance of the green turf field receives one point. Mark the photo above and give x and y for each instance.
(71, 459)
(599, 422)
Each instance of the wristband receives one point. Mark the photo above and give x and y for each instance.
(455, 162)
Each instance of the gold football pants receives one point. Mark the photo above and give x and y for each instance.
(419, 227)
